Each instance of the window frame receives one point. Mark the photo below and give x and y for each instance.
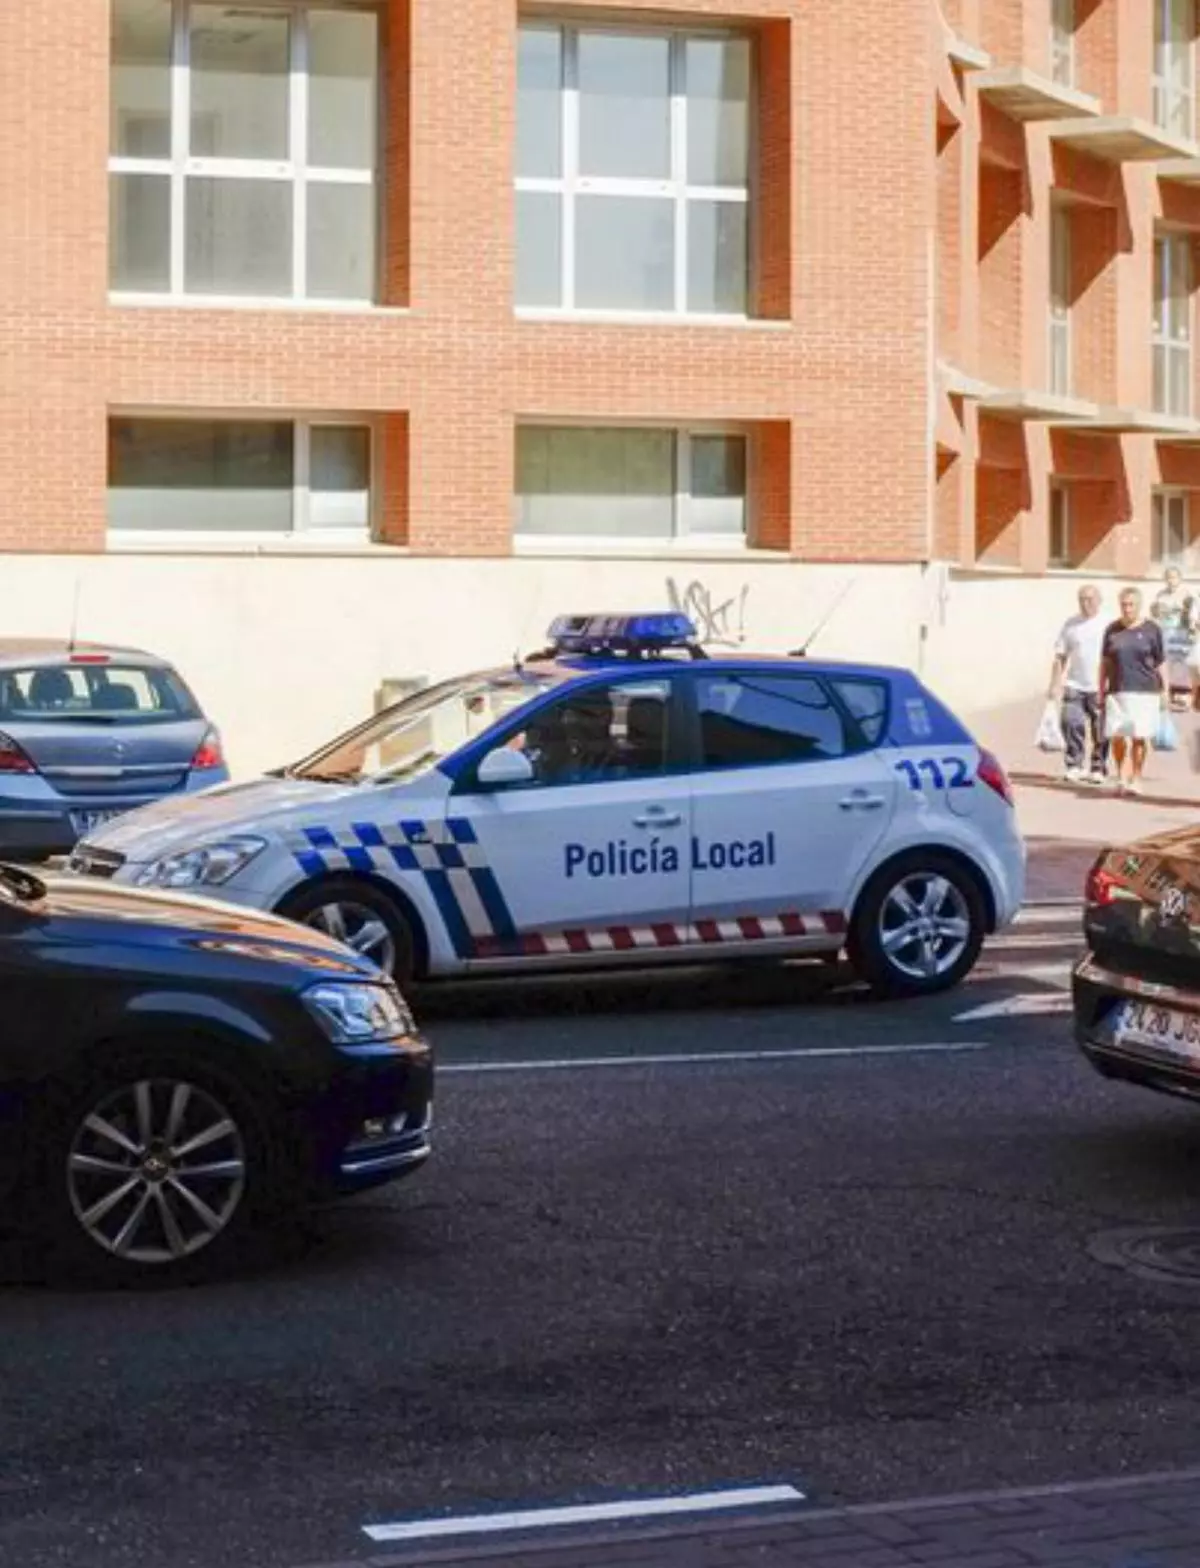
(1062, 42)
(1172, 254)
(681, 536)
(569, 184)
(295, 171)
(1161, 499)
(302, 530)
(1060, 337)
(1171, 100)
(1059, 491)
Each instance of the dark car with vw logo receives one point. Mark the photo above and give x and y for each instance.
(1137, 988)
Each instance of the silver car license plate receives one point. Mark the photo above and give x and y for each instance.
(1161, 1029)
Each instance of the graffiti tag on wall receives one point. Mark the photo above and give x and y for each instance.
(717, 620)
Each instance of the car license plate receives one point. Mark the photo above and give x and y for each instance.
(1161, 1029)
(88, 821)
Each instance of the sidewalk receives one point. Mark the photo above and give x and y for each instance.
(1148, 1521)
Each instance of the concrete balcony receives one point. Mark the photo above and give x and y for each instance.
(1182, 171)
(1110, 421)
(1028, 405)
(968, 57)
(1022, 94)
(1121, 138)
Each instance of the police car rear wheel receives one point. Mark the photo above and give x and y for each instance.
(360, 916)
(918, 927)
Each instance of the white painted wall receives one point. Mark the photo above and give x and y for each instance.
(284, 651)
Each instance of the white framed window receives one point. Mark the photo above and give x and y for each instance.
(1062, 41)
(633, 170)
(1060, 552)
(250, 479)
(1060, 299)
(242, 151)
(1175, 66)
(1171, 522)
(1172, 324)
(634, 484)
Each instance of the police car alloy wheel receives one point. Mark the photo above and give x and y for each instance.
(359, 915)
(918, 927)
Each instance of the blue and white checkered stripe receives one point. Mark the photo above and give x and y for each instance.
(448, 855)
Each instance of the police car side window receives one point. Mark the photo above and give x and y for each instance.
(603, 732)
(752, 720)
(867, 701)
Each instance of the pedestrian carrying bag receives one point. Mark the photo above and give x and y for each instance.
(1166, 736)
(1049, 731)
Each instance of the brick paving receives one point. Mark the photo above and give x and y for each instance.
(1150, 1521)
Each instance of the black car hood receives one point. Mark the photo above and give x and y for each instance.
(153, 919)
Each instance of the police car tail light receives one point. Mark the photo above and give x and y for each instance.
(993, 775)
(12, 758)
(209, 754)
(1100, 885)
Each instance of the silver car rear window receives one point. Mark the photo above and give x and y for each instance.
(133, 694)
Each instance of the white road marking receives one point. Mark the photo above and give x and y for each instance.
(692, 1058)
(1053, 974)
(1051, 915)
(1030, 1003)
(996, 944)
(584, 1513)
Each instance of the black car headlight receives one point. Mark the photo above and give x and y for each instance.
(357, 1013)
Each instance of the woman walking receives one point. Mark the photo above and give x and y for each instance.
(1132, 688)
(1173, 612)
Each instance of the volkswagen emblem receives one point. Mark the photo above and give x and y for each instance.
(1173, 903)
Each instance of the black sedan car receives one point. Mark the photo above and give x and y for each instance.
(1137, 988)
(175, 1071)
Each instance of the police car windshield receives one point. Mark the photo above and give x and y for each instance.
(417, 734)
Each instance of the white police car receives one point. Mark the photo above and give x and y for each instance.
(620, 798)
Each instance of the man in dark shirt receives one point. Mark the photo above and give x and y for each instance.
(1132, 688)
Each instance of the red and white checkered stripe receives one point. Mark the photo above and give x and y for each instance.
(626, 939)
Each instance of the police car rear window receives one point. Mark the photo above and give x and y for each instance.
(867, 701)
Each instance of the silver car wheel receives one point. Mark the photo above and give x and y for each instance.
(358, 927)
(924, 925)
(156, 1171)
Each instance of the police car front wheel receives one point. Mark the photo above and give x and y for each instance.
(359, 915)
(918, 927)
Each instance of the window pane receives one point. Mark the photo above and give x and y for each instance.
(239, 83)
(603, 483)
(626, 253)
(1179, 382)
(339, 480)
(140, 86)
(624, 105)
(718, 111)
(239, 237)
(748, 721)
(614, 732)
(717, 268)
(868, 702)
(717, 489)
(1160, 378)
(201, 474)
(539, 102)
(539, 248)
(342, 69)
(139, 232)
(341, 242)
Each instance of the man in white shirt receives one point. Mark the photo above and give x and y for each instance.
(1075, 683)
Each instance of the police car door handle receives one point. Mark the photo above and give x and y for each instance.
(861, 800)
(658, 817)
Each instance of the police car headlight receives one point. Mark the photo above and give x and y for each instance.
(206, 866)
(357, 1014)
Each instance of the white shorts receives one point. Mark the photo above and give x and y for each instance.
(1132, 714)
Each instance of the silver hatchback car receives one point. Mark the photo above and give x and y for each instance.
(88, 732)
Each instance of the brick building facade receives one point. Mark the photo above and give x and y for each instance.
(314, 309)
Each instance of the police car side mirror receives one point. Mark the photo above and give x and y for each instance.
(505, 766)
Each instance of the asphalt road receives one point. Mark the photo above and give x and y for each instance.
(859, 1264)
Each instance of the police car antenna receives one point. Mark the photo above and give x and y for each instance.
(802, 651)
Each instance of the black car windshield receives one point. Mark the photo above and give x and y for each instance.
(415, 735)
(94, 690)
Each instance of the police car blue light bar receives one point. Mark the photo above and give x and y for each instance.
(622, 633)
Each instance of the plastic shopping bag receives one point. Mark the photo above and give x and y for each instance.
(1166, 736)
(1049, 731)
